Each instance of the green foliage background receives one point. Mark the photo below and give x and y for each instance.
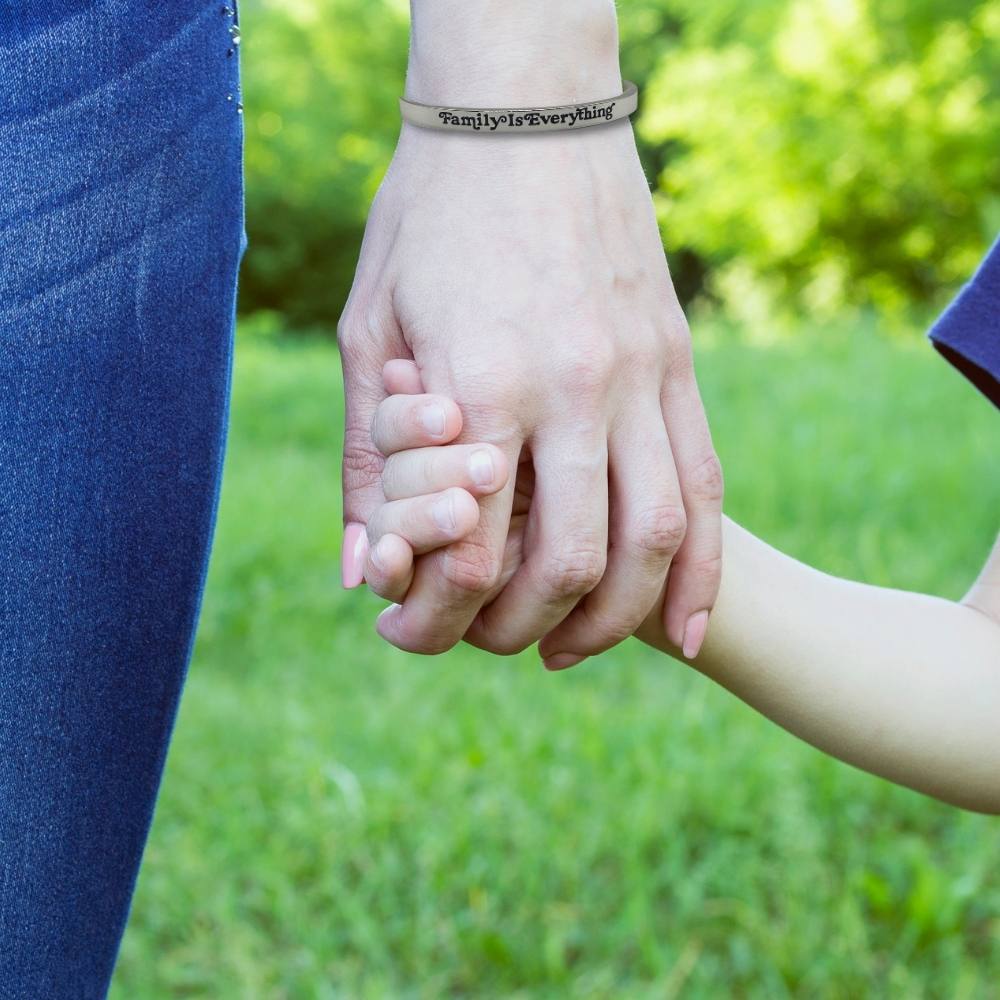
(806, 155)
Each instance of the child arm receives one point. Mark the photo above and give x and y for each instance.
(901, 684)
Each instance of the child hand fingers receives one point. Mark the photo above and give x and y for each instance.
(426, 522)
(402, 376)
(402, 422)
(481, 469)
(389, 567)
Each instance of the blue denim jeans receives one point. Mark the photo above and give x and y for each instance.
(121, 232)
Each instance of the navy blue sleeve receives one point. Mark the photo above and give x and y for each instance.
(968, 332)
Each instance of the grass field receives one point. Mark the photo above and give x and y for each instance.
(339, 819)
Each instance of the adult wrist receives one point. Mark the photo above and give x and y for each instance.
(518, 53)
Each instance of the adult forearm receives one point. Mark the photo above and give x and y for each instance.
(904, 685)
(497, 52)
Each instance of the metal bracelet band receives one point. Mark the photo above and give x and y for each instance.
(550, 119)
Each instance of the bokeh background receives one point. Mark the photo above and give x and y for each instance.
(339, 819)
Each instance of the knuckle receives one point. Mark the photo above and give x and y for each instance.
(360, 327)
(675, 326)
(705, 482)
(384, 587)
(425, 643)
(590, 370)
(607, 629)
(680, 360)
(575, 573)
(504, 644)
(432, 644)
(344, 323)
(642, 359)
(350, 332)
(705, 569)
(470, 569)
(660, 530)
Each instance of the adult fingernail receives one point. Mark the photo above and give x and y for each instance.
(694, 634)
(481, 467)
(353, 553)
(433, 420)
(561, 661)
(443, 512)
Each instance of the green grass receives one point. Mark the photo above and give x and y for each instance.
(339, 819)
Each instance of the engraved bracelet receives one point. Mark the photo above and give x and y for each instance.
(549, 119)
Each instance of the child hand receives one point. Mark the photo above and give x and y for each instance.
(430, 486)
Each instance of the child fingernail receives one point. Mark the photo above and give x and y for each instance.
(561, 661)
(694, 634)
(481, 467)
(443, 512)
(433, 420)
(352, 558)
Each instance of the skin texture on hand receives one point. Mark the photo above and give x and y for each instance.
(527, 280)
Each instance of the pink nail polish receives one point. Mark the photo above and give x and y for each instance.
(352, 559)
(562, 661)
(694, 634)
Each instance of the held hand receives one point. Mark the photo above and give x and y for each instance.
(422, 473)
(430, 491)
(526, 278)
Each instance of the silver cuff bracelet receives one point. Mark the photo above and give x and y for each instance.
(550, 119)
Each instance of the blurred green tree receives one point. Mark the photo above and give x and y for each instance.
(320, 83)
(805, 154)
(824, 153)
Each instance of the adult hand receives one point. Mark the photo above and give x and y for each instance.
(525, 276)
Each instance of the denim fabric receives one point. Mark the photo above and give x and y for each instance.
(121, 232)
